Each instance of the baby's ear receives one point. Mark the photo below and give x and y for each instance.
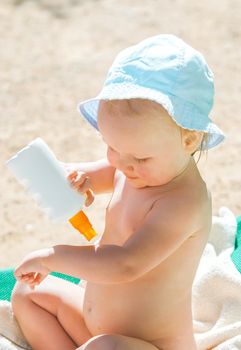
(191, 140)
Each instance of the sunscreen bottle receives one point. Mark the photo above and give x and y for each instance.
(37, 168)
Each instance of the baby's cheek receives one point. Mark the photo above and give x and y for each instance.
(145, 173)
(152, 176)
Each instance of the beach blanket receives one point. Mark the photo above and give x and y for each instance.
(216, 293)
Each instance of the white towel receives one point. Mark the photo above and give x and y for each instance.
(216, 295)
(217, 290)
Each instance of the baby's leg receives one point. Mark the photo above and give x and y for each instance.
(50, 316)
(120, 342)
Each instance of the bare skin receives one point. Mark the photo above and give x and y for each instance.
(138, 280)
(164, 293)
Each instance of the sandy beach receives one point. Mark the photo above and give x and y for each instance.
(55, 53)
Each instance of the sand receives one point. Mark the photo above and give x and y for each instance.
(55, 53)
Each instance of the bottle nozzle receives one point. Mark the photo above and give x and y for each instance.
(81, 223)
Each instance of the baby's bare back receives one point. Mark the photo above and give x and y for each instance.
(157, 304)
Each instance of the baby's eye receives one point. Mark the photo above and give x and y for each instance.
(141, 160)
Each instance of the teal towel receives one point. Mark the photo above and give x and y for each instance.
(236, 255)
(7, 282)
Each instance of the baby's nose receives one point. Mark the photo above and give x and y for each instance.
(125, 166)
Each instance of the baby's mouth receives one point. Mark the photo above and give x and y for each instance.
(131, 177)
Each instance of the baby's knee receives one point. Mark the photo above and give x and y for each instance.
(20, 294)
(100, 342)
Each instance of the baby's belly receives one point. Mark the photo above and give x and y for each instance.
(140, 309)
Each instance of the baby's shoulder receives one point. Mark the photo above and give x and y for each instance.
(187, 206)
(191, 204)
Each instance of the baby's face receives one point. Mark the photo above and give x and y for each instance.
(142, 141)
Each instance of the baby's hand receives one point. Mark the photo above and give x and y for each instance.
(81, 182)
(31, 270)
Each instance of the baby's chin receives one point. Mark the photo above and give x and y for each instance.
(138, 183)
(141, 183)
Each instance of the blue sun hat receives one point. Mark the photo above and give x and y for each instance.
(164, 69)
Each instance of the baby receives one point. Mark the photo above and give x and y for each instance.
(153, 116)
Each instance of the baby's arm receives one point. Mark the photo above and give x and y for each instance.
(164, 229)
(100, 173)
(159, 236)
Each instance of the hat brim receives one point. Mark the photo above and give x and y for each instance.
(183, 113)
